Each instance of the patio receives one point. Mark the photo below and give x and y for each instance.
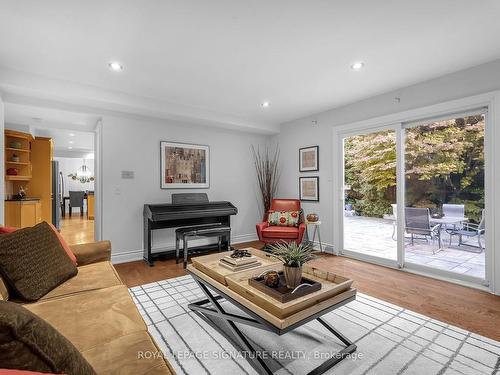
(373, 236)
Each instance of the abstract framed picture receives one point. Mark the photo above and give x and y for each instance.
(309, 189)
(309, 159)
(184, 166)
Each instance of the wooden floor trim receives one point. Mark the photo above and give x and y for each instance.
(471, 309)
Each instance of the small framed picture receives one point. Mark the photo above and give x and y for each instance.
(309, 159)
(309, 189)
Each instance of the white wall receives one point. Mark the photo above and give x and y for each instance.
(302, 132)
(2, 153)
(134, 145)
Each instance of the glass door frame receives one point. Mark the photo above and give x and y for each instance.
(396, 128)
(407, 120)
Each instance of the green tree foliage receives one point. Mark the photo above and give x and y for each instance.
(444, 164)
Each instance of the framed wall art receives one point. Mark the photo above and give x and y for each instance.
(184, 165)
(309, 189)
(309, 159)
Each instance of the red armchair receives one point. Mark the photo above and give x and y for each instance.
(272, 234)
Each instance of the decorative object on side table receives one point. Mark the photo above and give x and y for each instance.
(293, 256)
(309, 159)
(184, 165)
(312, 217)
(309, 189)
(268, 175)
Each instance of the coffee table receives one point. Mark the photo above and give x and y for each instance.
(263, 312)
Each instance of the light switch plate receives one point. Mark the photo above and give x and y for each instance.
(128, 174)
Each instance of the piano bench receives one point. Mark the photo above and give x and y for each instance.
(187, 233)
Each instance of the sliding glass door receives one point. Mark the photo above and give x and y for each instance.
(414, 195)
(444, 194)
(370, 194)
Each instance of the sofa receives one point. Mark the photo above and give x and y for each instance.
(272, 234)
(95, 311)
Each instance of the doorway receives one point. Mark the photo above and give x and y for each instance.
(64, 147)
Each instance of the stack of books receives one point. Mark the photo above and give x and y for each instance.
(239, 264)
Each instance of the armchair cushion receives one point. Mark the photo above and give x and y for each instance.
(284, 218)
(280, 232)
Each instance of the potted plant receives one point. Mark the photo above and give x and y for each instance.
(293, 256)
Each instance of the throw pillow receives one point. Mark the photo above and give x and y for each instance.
(284, 218)
(64, 244)
(5, 230)
(27, 342)
(33, 261)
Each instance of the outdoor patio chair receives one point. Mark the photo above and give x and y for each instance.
(454, 210)
(470, 230)
(418, 223)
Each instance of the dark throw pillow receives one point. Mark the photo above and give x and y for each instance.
(33, 261)
(27, 342)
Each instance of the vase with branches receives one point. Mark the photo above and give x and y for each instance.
(267, 169)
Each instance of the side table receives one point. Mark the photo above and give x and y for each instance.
(316, 225)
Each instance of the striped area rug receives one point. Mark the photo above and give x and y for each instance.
(390, 339)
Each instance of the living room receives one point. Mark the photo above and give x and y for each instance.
(189, 103)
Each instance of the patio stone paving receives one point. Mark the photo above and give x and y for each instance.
(373, 236)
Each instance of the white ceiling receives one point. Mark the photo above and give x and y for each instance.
(43, 117)
(54, 123)
(225, 57)
(81, 141)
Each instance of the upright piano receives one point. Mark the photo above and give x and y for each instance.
(186, 209)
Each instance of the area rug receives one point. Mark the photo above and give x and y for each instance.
(390, 339)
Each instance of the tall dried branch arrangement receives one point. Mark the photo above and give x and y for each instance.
(268, 175)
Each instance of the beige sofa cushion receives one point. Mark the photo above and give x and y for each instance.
(92, 318)
(124, 353)
(91, 277)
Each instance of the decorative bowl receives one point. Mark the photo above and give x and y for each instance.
(312, 217)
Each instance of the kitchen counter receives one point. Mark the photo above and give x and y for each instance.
(27, 199)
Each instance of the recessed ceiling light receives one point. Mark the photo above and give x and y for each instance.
(71, 134)
(70, 148)
(266, 104)
(358, 65)
(70, 142)
(36, 119)
(115, 66)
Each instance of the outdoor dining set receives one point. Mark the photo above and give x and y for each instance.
(420, 224)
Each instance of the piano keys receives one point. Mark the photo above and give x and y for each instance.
(186, 209)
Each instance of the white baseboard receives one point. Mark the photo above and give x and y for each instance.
(134, 255)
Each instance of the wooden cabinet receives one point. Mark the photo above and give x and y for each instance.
(21, 214)
(90, 206)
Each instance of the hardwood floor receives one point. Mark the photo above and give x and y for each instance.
(77, 229)
(468, 308)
